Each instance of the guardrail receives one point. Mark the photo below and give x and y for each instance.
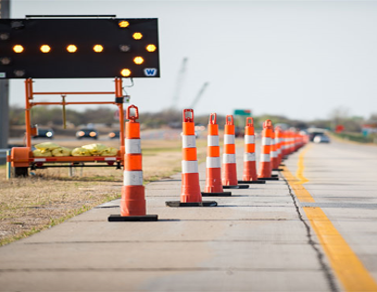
(8, 167)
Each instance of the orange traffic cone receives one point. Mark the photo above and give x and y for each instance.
(265, 169)
(279, 143)
(132, 204)
(249, 162)
(213, 186)
(291, 141)
(274, 152)
(229, 169)
(190, 189)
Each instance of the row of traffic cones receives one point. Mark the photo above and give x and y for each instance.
(275, 146)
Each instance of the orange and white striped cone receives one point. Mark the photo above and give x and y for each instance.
(132, 204)
(279, 142)
(213, 185)
(274, 152)
(229, 167)
(284, 145)
(265, 167)
(291, 141)
(190, 188)
(249, 161)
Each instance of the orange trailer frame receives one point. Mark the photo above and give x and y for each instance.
(21, 158)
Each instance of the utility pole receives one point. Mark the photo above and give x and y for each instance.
(4, 93)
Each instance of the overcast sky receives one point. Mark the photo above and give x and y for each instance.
(301, 59)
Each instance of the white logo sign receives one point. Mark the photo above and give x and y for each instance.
(150, 72)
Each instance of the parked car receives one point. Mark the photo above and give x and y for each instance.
(114, 134)
(321, 139)
(87, 133)
(44, 133)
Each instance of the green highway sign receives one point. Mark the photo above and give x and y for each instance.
(242, 112)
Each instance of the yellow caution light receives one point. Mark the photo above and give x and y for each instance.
(137, 36)
(138, 60)
(98, 48)
(18, 49)
(125, 72)
(71, 49)
(92, 134)
(45, 49)
(151, 48)
(123, 23)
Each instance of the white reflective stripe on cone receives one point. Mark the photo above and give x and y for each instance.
(188, 141)
(133, 146)
(274, 154)
(213, 140)
(229, 139)
(229, 158)
(249, 157)
(189, 166)
(265, 158)
(279, 151)
(213, 162)
(133, 178)
(266, 141)
(249, 139)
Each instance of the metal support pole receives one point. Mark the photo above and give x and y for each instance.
(119, 94)
(4, 93)
(28, 96)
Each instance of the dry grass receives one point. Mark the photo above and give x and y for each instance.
(50, 196)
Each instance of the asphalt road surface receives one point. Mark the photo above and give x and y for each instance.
(313, 230)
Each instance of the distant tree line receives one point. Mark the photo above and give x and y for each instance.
(53, 116)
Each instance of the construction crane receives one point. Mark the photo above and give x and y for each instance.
(199, 95)
(179, 83)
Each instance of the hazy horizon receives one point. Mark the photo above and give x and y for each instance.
(299, 59)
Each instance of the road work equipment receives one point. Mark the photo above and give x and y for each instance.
(265, 167)
(274, 151)
(279, 143)
(229, 167)
(213, 186)
(249, 161)
(132, 204)
(22, 158)
(190, 188)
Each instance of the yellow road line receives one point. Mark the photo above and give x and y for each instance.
(301, 167)
(348, 268)
(301, 193)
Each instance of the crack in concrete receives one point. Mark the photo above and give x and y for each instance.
(324, 267)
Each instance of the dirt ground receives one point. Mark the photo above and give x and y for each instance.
(49, 196)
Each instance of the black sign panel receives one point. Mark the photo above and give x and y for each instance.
(79, 48)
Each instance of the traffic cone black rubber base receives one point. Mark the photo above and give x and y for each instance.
(236, 187)
(268, 178)
(119, 218)
(223, 194)
(277, 169)
(191, 204)
(251, 182)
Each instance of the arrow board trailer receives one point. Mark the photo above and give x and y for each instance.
(75, 47)
(79, 48)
